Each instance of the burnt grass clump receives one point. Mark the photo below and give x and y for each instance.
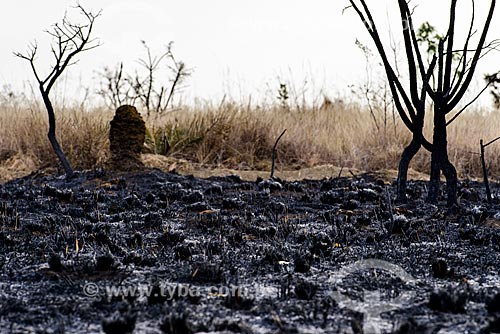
(155, 252)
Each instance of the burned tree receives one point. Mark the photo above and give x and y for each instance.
(451, 88)
(70, 39)
(411, 107)
(452, 84)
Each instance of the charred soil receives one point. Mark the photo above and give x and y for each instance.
(155, 252)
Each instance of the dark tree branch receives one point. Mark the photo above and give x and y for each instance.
(449, 55)
(463, 56)
(177, 79)
(469, 104)
(273, 158)
(453, 101)
(394, 83)
(412, 70)
(421, 66)
(491, 142)
(440, 66)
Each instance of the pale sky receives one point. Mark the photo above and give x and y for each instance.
(235, 47)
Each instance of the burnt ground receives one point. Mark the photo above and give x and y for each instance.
(153, 252)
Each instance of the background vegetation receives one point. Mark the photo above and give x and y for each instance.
(229, 134)
(241, 136)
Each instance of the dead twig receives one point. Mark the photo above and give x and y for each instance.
(485, 170)
(273, 157)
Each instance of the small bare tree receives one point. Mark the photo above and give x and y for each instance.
(115, 88)
(70, 39)
(118, 88)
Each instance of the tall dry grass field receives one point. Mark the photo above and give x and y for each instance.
(242, 136)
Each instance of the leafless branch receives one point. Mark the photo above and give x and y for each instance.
(491, 142)
(455, 99)
(273, 158)
(468, 104)
(490, 80)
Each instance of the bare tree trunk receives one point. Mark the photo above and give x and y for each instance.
(406, 157)
(52, 135)
(439, 142)
(441, 162)
(433, 193)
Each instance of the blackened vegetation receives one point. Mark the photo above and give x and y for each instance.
(274, 249)
(273, 157)
(485, 168)
(449, 85)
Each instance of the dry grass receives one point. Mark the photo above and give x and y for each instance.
(241, 137)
